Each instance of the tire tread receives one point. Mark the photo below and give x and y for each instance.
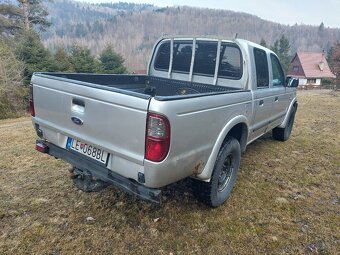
(203, 190)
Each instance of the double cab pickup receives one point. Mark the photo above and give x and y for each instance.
(202, 101)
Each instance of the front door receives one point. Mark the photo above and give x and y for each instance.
(282, 97)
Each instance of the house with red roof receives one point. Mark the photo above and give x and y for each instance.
(310, 68)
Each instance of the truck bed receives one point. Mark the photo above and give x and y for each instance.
(142, 85)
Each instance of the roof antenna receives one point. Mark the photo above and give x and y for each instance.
(236, 34)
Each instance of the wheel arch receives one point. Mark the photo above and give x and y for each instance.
(238, 128)
(293, 106)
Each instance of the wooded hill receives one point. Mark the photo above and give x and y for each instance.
(134, 28)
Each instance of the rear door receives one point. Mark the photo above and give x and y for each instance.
(104, 119)
(263, 96)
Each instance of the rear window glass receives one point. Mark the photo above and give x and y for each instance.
(182, 56)
(230, 62)
(230, 65)
(205, 58)
(162, 59)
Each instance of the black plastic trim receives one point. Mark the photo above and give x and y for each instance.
(105, 174)
(163, 86)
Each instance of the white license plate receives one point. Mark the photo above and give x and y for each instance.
(87, 150)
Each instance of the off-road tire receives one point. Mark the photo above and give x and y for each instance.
(283, 134)
(84, 181)
(227, 164)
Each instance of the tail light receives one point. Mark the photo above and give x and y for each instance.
(31, 102)
(157, 141)
(41, 147)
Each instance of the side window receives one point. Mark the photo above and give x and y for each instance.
(261, 65)
(162, 59)
(278, 76)
(182, 57)
(205, 58)
(230, 62)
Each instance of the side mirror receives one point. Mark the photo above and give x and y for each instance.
(292, 82)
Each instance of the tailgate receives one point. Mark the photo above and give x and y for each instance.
(112, 121)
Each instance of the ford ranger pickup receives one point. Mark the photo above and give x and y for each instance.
(202, 101)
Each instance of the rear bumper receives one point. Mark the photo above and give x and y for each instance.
(103, 173)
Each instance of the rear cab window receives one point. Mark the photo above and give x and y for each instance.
(205, 57)
(182, 57)
(162, 59)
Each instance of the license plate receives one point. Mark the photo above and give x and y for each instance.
(87, 150)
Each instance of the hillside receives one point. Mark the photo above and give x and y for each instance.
(134, 28)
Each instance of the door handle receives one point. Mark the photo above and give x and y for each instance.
(78, 105)
(276, 99)
(78, 101)
(261, 102)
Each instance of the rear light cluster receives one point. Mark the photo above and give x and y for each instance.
(31, 102)
(41, 147)
(157, 141)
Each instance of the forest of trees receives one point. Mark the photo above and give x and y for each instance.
(22, 53)
(68, 36)
(133, 29)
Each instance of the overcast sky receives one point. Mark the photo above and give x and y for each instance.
(309, 12)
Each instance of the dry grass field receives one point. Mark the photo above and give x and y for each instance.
(286, 200)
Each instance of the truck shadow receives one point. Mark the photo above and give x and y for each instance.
(177, 195)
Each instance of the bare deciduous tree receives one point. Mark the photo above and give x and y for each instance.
(10, 69)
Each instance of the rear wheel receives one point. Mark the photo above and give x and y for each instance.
(224, 175)
(283, 134)
(84, 181)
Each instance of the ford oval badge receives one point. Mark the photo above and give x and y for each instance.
(77, 121)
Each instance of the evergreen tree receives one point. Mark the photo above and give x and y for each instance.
(111, 62)
(28, 14)
(336, 64)
(62, 61)
(281, 48)
(34, 14)
(284, 46)
(80, 30)
(275, 47)
(82, 60)
(10, 19)
(97, 27)
(330, 57)
(263, 43)
(33, 53)
(321, 27)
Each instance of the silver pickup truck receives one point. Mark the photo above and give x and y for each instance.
(200, 104)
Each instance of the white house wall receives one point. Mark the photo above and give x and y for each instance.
(302, 81)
